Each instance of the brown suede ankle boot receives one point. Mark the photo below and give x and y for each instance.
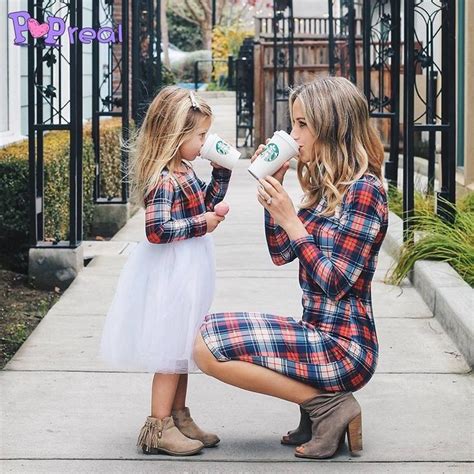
(161, 436)
(300, 435)
(332, 415)
(186, 425)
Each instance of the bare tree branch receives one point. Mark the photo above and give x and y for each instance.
(206, 6)
(193, 11)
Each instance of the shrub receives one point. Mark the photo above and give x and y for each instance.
(183, 34)
(14, 189)
(226, 41)
(110, 156)
(423, 201)
(184, 70)
(440, 240)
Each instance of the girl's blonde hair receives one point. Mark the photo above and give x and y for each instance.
(170, 120)
(346, 144)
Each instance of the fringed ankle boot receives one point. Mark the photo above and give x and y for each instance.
(161, 436)
(187, 426)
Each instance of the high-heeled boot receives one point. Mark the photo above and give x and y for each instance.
(162, 436)
(300, 435)
(332, 415)
(187, 426)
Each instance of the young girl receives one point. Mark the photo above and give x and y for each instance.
(167, 284)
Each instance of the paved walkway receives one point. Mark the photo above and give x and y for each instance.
(63, 411)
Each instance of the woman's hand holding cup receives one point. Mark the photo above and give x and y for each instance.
(280, 174)
(279, 139)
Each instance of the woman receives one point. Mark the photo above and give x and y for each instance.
(336, 235)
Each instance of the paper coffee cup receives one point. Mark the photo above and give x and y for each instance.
(278, 151)
(219, 151)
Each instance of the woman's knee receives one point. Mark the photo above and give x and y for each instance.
(202, 355)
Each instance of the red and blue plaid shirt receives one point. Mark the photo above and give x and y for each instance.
(334, 347)
(338, 260)
(175, 209)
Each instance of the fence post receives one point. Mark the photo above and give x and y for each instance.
(196, 74)
(230, 73)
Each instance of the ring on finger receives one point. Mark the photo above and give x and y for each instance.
(269, 201)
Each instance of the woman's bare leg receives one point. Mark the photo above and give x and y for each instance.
(163, 394)
(252, 377)
(180, 398)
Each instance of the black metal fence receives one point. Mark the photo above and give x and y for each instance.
(342, 45)
(283, 61)
(110, 89)
(51, 106)
(430, 51)
(146, 55)
(381, 44)
(244, 94)
(428, 89)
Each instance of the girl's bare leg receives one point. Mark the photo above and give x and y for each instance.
(180, 398)
(162, 394)
(252, 377)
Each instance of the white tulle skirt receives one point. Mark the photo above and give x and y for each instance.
(163, 294)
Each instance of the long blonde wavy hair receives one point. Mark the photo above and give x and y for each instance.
(170, 120)
(346, 143)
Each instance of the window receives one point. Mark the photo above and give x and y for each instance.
(10, 76)
(4, 40)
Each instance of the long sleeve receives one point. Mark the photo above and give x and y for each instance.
(216, 190)
(362, 214)
(278, 242)
(160, 227)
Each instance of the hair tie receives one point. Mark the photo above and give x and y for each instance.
(194, 104)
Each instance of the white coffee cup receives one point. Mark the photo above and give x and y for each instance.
(218, 151)
(278, 151)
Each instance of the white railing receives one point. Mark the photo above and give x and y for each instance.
(306, 27)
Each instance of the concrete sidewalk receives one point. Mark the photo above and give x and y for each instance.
(63, 411)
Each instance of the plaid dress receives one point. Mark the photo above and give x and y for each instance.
(167, 284)
(334, 346)
(175, 209)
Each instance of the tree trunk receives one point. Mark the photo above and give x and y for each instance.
(206, 29)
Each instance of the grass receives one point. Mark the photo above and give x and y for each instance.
(436, 239)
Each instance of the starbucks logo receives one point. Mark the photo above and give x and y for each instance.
(271, 152)
(222, 147)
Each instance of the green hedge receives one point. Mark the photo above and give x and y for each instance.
(110, 156)
(14, 196)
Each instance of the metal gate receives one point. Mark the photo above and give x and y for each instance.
(146, 55)
(433, 38)
(244, 94)
(381, 19)
(283, 61)
(51, 106)
(110, 88)
(341, 40)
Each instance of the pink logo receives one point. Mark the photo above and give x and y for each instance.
(37, 29)
(54, 27)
